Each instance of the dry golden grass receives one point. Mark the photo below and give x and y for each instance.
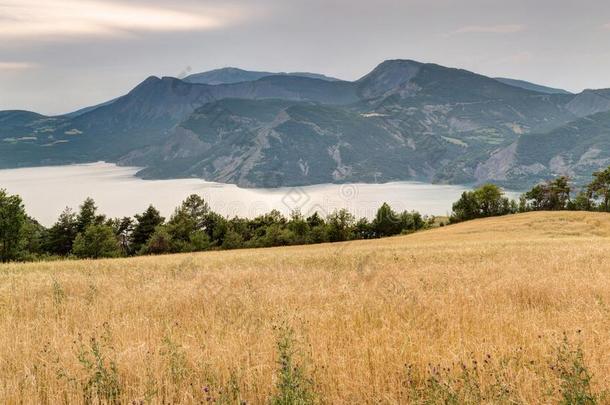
(500, 290)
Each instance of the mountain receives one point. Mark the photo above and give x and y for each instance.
(232, 75)
(405, 120)
(426, 122)
(576, 149)
(85, 110)
(531, 86)
(143, 117)
(16, 123)
(590, 102)
(274, 143)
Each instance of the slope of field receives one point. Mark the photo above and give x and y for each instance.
(481, 307)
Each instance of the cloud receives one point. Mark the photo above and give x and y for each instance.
(490, 29)
(40, 18)
(16, 66)
(606, 27)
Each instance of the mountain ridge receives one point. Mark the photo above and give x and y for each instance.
(405, 120)
(531, 86)
(231, 75)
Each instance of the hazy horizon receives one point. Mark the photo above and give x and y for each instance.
(61, 55)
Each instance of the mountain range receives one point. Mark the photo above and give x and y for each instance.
(405, 120)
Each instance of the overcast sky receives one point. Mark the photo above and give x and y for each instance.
(59, 55)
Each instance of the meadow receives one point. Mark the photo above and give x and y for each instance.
(501, 310)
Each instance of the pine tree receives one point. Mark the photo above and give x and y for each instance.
(146, 224)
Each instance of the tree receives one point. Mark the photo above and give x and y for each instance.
(187, 224)
(242, 226)
(196, 209)
(466, 208)
(386, 222)
(535, 199)
(98, 241)
(485, 201)
(61, 235)
(199, 241)
(216, 226)
(180, 228)
(276, 235)
(315, 220)
(554, 195)
(364, 229)
(582, 202)
(559, 193)
(146, 224)
(122, 229)
(12, 222)
(600, 187)
(319, 234)
(160, 242)
(491, 201)
(412, 221)
(33, 235)
(340, 226)
(232, 240)
(299, 227)
(87, 215)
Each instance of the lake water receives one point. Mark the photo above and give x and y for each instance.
(46, 191)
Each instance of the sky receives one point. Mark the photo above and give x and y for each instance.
(57, 56)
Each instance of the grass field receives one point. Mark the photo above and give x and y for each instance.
(503, 310)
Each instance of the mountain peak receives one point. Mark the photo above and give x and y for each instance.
(400, 62)
(388, 76)
(150, 80)
(394, 66)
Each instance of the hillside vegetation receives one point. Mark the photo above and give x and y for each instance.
(499, 310)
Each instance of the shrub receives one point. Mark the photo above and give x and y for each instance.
(574, 376)
(102, 383)
(293, 387)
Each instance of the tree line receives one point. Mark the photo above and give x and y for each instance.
(193, 227)
(553, 195)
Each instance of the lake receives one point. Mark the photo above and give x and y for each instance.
(46, 191)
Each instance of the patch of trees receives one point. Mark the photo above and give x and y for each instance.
(485, 201)
(556, 194)
(193, 227)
